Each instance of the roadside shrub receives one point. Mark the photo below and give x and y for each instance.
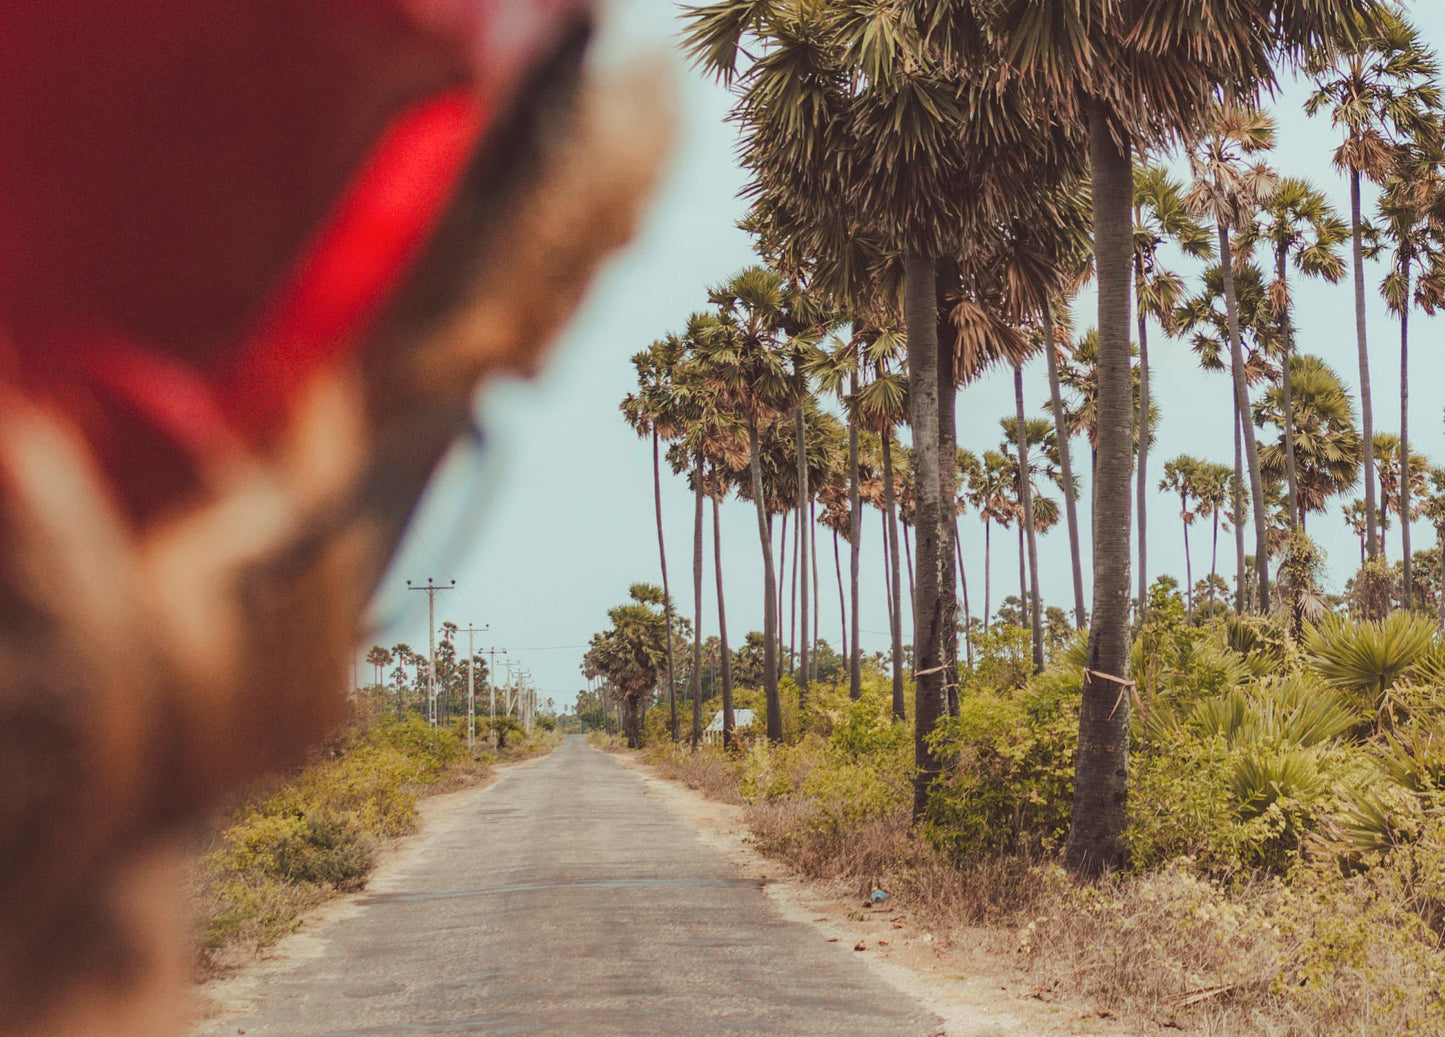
(1010, 785)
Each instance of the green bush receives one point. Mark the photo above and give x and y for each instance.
(289, 849)
(1010, 786)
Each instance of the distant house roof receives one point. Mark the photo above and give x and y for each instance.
(741, 717)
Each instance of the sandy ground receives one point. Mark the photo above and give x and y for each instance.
(976, 993)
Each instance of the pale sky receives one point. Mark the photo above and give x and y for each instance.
(548, 533)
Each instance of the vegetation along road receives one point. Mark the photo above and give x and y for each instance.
(565, 900)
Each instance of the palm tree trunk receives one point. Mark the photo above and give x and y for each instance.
(1036, 608)
(1066, 466)
(1409, 588)
(1281, 272)
(1384, 509)
(948, 487)
(729, 718)
(895, 598)
(1214, 563)
(842, 602)
(887, 554)
(697, 604)
(666, 593)
(1188, 569)
(921, 317)
(1023, 579)
(793, 661)
(1101, 783)
(908, 557)
(804, 542)
(1367, 411)
(784, 665)
(817, 601)
(855, 512)
(1251, 447)
(1141, 490)
(967, 615)
(770, 591)
(1238, 501)
(987, 572)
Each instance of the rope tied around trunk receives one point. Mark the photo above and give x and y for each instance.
(1126, 687)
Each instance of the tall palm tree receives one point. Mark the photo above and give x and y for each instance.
(1397, 480)
(653, 411)
(1300, 227)
(990, 494)
(969, 469)
(1229, 189)
(1132, 72)
(1160, 217)
(836, 371)
(1021, 436)
(883, 404)
(1412, 211)
(742, 350)
(1052, 344)
(1214, 487)
(1326, 439)
(1181, 477)
(1207, 316)
(708, 437)
(1380, 89)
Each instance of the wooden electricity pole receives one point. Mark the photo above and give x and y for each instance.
(431, 590)
(471, 687)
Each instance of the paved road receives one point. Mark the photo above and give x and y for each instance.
(564, 901)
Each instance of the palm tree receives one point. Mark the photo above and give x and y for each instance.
(1213, 486)
(989, 492)
(708, 436)
(883, 403)
(652, 411)
(380, 658)
(1160, 217)
(836, 371)
(969, 470)
(1326, 439)
(1229, 190)
(1181, 476)
(1380, 89)
(742, 348)
(1021, 435)
(1396, 480)
(729, 716)
(1432, 506)
(1412, 210)
(1207, 315)
(1299, 226)
(1052, 344)
(1132, 72)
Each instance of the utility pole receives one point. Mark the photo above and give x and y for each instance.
(431, 590)
(492, 695)
(471, 687)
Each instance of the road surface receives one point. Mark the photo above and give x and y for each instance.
(563, 900)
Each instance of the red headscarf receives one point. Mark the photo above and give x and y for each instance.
(204, 204)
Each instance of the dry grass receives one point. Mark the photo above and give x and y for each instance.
(1169, 947)
(715, 774)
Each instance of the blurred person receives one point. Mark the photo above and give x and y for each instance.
(255, 258)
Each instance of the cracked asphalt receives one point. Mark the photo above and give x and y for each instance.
(563, 900)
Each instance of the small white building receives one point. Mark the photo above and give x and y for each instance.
(712, 734)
